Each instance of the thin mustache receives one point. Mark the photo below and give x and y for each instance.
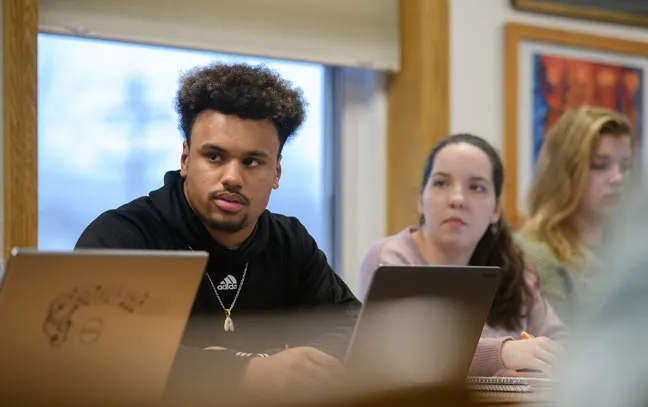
(215, 194)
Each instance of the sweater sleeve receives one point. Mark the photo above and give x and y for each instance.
(488, 357)
(540, 320)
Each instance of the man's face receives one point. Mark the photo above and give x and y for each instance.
(230, 169)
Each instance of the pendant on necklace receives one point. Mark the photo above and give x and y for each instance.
(229, 323)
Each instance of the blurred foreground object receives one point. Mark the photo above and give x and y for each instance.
(607, 360)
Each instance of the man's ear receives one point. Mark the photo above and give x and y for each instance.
(184, 159)
(275, 184)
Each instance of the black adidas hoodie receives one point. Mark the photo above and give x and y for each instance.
(286, 273)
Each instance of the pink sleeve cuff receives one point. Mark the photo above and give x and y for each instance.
(488, 357)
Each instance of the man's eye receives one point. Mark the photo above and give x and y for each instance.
(251, 162)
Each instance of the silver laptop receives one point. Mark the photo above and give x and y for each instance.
(421, 324)
(86, 326)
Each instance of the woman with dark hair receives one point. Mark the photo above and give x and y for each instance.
(461, 223)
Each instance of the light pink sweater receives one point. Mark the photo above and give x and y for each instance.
(540, 321)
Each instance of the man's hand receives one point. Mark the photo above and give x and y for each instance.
(537, 354)
(303, 367)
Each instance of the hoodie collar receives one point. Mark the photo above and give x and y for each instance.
(172, 204)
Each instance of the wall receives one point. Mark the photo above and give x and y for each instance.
(476, 59)
(362, 144)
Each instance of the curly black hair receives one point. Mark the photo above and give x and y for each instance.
(249, 92)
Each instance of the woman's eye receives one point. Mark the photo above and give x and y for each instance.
(626, 167)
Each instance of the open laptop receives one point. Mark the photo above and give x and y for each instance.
(421, 324)
(89, 326)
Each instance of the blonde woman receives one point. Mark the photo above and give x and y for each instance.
(585, 159)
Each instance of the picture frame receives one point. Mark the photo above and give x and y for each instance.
(526, 46)
(629, 13)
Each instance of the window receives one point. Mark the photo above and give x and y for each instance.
(108, 132)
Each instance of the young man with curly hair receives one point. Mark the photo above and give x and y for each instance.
(236, 120)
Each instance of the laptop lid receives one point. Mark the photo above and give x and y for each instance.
(420, 324)
(91, 325)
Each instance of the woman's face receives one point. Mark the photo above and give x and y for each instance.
(458, 201)
(610, 165)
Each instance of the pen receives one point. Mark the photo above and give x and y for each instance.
(527, 335)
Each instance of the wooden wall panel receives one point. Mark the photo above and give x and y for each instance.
(19, 123)
(419, 105)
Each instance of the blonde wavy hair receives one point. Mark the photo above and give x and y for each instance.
(561, 177)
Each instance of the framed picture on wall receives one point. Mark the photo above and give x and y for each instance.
(548, 71)
(610, 11)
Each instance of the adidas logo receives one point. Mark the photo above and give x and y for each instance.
(228, 283)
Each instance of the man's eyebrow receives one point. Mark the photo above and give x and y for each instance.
(252, 153)
(212, 147)
(257, 153)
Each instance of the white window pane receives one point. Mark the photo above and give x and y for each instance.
(108, 132)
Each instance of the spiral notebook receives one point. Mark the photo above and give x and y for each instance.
(508, 384)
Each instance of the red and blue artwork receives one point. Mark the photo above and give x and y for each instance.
(561, 83)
